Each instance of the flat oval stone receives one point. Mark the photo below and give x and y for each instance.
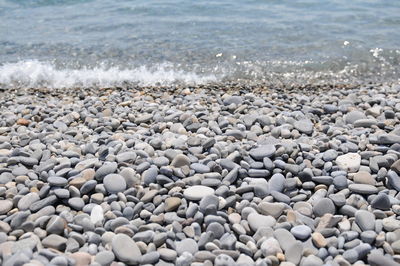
(349, 162)
(197, 192)
(186, 245)
(125, 249)
(324, 206)
(5, 206)
(301, 232)
(262, 151)
(180, 160)
(57, 181)
(365, 220)
(363, 189)
(76, 203)
(114, 183)
(257, 220)
(381, 201)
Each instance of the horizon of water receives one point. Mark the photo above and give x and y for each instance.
(86, 43)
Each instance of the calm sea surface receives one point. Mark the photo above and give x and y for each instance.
(60, 43)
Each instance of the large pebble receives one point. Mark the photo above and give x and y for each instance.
(197, 192)
(349, 162)
(114, 183)
(125, 249)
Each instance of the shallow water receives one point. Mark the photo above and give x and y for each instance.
(60, 43)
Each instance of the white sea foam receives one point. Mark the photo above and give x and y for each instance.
(35, 74)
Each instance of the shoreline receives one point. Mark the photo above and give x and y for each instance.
(200, 175)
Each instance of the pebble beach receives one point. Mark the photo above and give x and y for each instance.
(202, 175)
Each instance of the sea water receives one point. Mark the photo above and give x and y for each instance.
(85, 43)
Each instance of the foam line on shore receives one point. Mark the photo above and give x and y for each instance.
(36, 74)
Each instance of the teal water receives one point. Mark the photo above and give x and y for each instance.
(61, 43)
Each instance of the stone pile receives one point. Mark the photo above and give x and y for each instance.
(200, 176)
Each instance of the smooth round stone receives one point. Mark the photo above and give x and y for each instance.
(129, 156)
(172, 203)
(234, 218)
(326, 180)
(130, 177)
(5, 206)
(365, 220)
(209, 202)
(262, 151)
(149, 176)
(56, 225)
(150, 258)
(76, 203)
(55, 241)
(235, 99)
(340, 182)
(256, 221)
(273, 209)
(319, 240)
(270, 247)
(62, 193)
(396, 246)
(301, 232)
(200, 168)
(324, 206)
(180, 160)
(363, 189)
(350, 255)
(304, 126)
(390, 224)
(197, 192)
(363, 177)
(381, 202)
(295, 252)
(57, 181)
(277, 183)
(105, 169)
(353, 116)
(349, 162)
(167, 254)
(330, 155)
(114, 183)
(216, 228)
(161, 161)
(96, 215)
(88, 187)
(186, 245)
(368, 237)
(365, 123)
(284, 237)
(125, 249)
(25, 202)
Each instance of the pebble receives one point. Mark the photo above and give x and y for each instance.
(324, 206)
(301, 232)
(114, 183)
(263, 151)
(349, 162)
(171, 204)
(55, 241)
(197, 192)
(125, 249)
(365, 220)
(193, 176)
(363, 189)
(257, 221)
(5, 206)
(381, 201)
(186, 245)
